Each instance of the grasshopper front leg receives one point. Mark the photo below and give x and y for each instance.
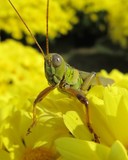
(39, 98)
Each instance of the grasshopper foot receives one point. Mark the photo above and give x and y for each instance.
(31, 126)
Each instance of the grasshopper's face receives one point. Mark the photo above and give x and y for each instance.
(55, 67)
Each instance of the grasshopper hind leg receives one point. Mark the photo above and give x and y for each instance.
(84, 100)
(88, 81)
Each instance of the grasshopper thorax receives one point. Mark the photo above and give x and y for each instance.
(55, 68)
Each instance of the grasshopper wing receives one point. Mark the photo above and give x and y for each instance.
(96, 78)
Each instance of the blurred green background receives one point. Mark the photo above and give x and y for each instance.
(90, 34)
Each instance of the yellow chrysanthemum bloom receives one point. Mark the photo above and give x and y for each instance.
(109, 117)
(109, 113)
(21, 69)
(77, 149)
(38, 145)
(61, 19)
(116, 18)
(58, 115)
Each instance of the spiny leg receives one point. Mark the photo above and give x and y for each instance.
(84, 101)
(39, 98)
(88, 81)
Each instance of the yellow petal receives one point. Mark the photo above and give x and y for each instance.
(75, 149)
(75, 125)
(109, 114)
(118, 152)
(4, 155)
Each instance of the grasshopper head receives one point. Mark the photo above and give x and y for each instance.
(55, 67)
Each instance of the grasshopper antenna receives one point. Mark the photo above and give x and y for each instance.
(47, 40)
(41, 50)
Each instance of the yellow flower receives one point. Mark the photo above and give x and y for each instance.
(4, 155)
(76, 124)
(18, 79)
(77, 149)
(38, 145)
(115, 74)
(109, 117)
(60, 21)
(58, 115)
(21, 69)
(109, 113)
(117, 23)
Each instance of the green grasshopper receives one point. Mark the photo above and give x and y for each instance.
(65, 78)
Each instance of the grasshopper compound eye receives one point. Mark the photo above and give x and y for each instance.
(56, 60)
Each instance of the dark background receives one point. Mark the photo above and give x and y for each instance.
(86, 47)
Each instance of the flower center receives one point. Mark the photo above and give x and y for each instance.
(39, 154)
